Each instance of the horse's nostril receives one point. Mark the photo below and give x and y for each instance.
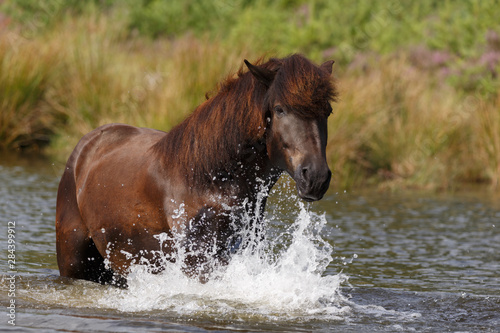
(305, 173)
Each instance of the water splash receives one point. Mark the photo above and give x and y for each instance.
(279, 277)
(283, 277)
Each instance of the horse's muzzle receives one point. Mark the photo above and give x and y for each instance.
(312, 181)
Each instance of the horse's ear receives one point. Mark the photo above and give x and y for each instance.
(327, 66)
(263, 75)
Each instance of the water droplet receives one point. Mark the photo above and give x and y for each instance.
(273, 275)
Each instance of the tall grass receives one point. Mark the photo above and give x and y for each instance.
(404, 119)
(400, 127)
(25, 75)
(486, 141)
(83, 73)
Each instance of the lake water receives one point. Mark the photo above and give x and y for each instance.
(353, 262)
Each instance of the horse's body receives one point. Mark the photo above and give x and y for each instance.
(123, 185)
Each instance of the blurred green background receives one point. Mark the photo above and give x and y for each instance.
(420, 97)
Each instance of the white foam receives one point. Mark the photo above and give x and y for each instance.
(278, 278)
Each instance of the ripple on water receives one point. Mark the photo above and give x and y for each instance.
(416, 263)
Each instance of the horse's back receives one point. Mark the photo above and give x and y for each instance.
(109, 139)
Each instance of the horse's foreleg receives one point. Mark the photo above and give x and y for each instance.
(205, 244)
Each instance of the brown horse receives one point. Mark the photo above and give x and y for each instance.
(123, 185)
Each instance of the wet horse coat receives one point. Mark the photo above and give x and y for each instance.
(123, 185)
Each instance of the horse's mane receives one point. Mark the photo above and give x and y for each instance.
(209, 141)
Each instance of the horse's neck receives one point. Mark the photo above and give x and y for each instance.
(250, 174)
(210, 155)
(221, 144)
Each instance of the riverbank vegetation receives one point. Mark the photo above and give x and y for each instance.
(420, 96)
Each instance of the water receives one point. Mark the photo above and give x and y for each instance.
(353, 262)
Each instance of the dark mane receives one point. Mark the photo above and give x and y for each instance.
(210, 141)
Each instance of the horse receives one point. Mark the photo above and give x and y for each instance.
(123, 185)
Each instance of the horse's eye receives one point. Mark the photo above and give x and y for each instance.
(279, 111)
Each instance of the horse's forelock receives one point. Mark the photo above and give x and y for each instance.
(303, 87)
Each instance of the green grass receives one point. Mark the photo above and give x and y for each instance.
(420, 97)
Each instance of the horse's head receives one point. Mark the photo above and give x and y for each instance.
(296, 109)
